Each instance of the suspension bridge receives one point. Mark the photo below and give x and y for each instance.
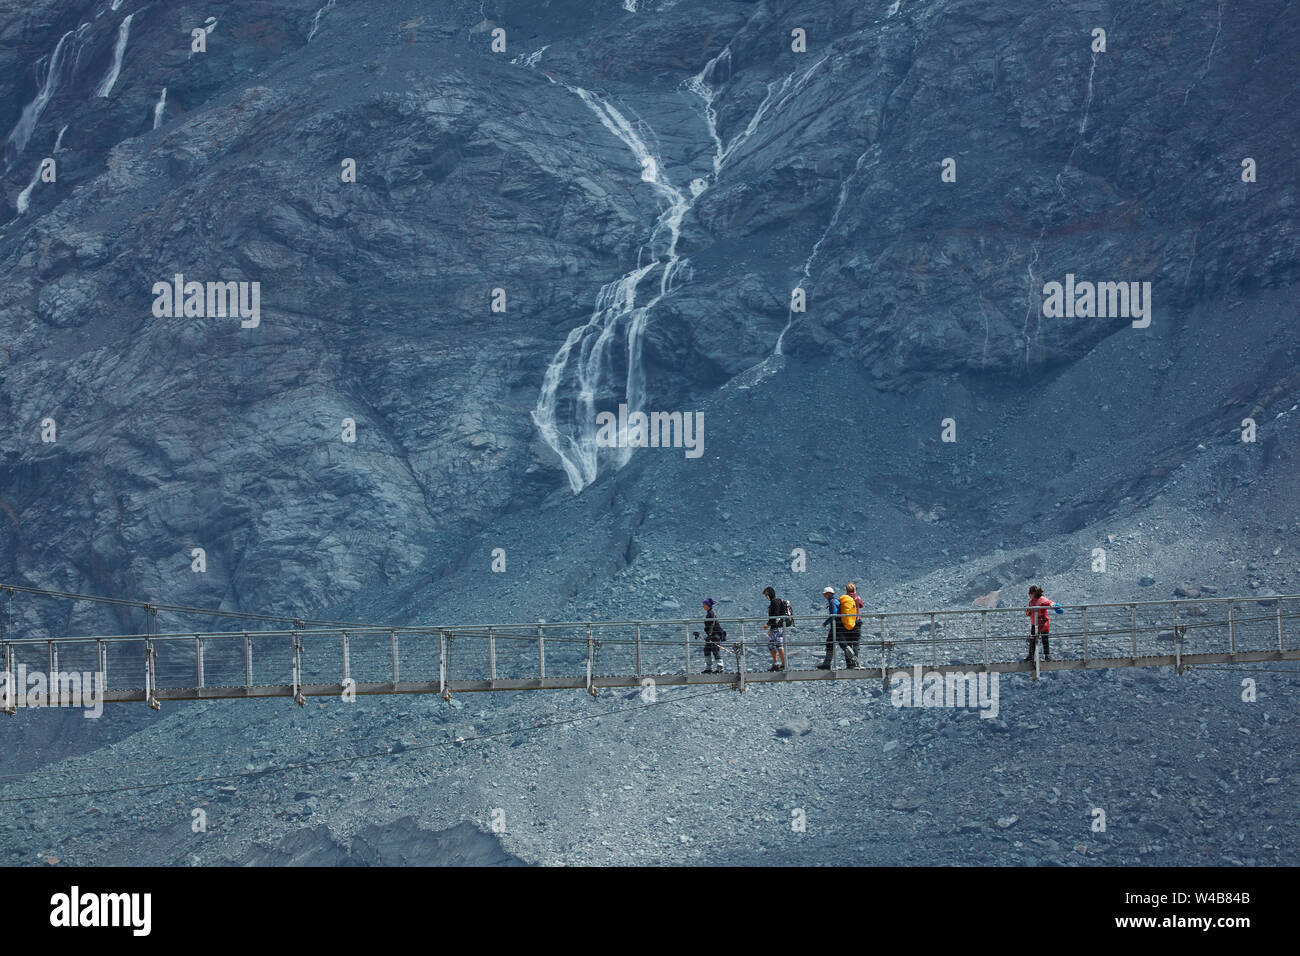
(258, 656)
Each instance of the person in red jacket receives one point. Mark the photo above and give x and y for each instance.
(1039, 623)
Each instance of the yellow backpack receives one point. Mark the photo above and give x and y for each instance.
(848, 612)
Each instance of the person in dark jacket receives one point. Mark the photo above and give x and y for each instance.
(836, 632)
(775, 629)
(713, 633)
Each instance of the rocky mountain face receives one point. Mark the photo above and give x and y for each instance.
(480, 170)
(643, 185)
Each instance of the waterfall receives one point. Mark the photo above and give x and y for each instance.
(779, 92)
(315, 21)
(587, 347)
(19, 136)
(817, 246)
(25, 197)
(159, 107)
(584, 362)
(106, 85)
(1087, 102)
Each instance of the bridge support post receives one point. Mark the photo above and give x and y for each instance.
(638, 649)
(9, 704)
(1232, 629)
(686, 644)
(101, 662)
(492, 655)
(198, 660)
(984, 637)
(392, 636)
(296, 638)
(1178, 641)
(541, 652)
(248, 665)
(1084, 619)
(347, 657)
(150, 675)
(884, 656)
(591, 663)
(150, 658)
(444, 664)
(934, 643)
(740, 660)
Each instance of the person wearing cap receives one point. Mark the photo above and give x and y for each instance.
(713, 633)
(838, 629)
(831, 624)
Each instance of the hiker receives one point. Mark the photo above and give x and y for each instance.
(831, 622)
(842, 624)
(776, 619)
(713, 633)
(855, 632)
(1039, 624)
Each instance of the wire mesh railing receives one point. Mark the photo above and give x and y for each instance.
(307, 660)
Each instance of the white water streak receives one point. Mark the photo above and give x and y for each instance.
(159, 107)
(315, 21)
(616, 304)
(587, 346)
(1208, 57)
(25, 197)
(779, 92)
(1087, 102)
(530, 60)
(119, 49)
(812, 256)
(19, 136)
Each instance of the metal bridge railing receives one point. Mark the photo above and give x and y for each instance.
(301, 660)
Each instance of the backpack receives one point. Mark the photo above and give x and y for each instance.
(788, 619)
(718, 633)
(848, 612)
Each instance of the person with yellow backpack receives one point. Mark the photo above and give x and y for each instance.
(844, 624)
